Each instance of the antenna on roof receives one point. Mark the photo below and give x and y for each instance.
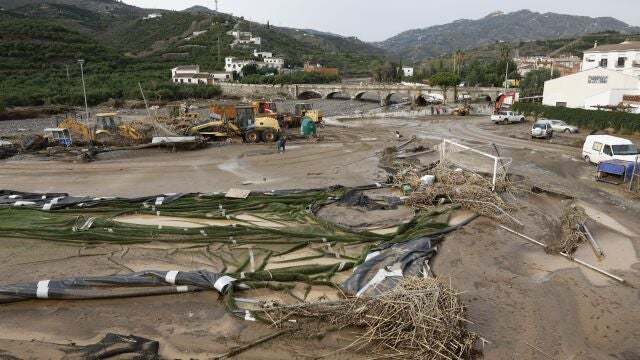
(216, 5)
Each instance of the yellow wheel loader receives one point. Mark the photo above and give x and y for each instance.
(245, 125)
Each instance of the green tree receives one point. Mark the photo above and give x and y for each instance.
(444, 80)
(533, 83)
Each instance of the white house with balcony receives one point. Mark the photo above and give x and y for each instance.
(272, 62)
(624, 58)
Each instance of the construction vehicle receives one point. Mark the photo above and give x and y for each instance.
(178, 109)
(265, 108)
(504, 102)
(461, 111)
(244, 124)
(108, 128)
(302, 110)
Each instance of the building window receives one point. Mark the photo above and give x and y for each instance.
(189, 80)
(604, 63)
(181, 80)
(621, 61)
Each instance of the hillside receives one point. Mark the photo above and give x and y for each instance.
(515, 27)
(39, 42)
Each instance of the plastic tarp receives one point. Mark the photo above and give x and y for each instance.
(386, 265)
(53, 201)
(146, 283)
(622, 169)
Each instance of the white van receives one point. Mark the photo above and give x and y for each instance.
(598, 148)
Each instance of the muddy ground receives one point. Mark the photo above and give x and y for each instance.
(527, 304)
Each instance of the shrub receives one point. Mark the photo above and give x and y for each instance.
(591, 119)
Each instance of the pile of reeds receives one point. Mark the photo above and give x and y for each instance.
(421, 319)
(458, 186)
(572, 237)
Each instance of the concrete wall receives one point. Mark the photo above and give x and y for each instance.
(576, 89)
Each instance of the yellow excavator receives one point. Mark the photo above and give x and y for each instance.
(108, 128)
(180, 110)
(244, 125)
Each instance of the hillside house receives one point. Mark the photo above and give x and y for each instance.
(624, 58)
(190, 74)
(407, 71)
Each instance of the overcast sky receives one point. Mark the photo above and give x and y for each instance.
(374, 20)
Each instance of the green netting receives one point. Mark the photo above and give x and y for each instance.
(303, 248)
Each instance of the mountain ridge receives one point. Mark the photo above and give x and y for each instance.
(518, 26)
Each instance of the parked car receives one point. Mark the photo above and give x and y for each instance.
(598, 148)
(560, 126)
(541, 130)
(505, 117)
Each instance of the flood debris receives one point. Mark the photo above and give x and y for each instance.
(460, 187)
(573, 216)
(422, 318)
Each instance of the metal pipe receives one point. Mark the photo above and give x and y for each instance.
(601, 271)
(594, 244)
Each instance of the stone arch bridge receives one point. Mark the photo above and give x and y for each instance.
(384, 92)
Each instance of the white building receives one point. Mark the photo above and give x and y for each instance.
(262, 54)
(593, 87)
(190, 74)
(272, 62)
(244, 38)
(234, 64)
(408, 71)
(152, 16)
(624, 58)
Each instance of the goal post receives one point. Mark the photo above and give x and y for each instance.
(476, 159)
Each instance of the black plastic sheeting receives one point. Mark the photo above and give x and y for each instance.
(146, 283)
(388, 264)
(53, 201)
(120, 346)
(355, 198)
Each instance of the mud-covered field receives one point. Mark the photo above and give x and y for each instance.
(525, 303)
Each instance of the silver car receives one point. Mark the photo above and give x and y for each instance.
(559, 125)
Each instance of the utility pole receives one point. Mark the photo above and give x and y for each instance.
(216, 5)
(506, 77)
(84, 90)
(551, 61)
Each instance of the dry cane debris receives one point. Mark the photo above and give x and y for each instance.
(572, 237)
(465, 188)
(423, 318)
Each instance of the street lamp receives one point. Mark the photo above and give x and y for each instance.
(84, 90)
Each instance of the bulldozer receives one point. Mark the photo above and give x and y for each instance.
(108, 128)
(244, 125)
(178, 110)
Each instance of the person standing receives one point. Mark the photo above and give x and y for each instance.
(282, 142)
(433, 110)
(438, 110)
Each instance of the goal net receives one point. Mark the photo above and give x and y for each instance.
(483, 160)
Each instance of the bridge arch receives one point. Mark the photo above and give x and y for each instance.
(397, 97)
(338, 95)
(429, 99)
(368, 96)
(309, 94)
